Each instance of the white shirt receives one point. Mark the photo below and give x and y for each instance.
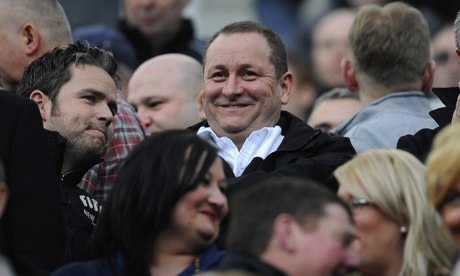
(260, 143)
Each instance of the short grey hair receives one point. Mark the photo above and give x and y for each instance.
(457, 30)
(336, 93)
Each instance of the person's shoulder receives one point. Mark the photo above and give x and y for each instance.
(8, 99)
(88, 268)
(15, 109)
(212, 257)
(295, 129)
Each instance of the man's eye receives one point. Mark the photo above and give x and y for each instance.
(153, 105)
(218, 76)
(347, 240)
(90, 99)
(249, 75)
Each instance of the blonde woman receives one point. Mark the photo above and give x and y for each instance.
(443, 178)
(398, 230)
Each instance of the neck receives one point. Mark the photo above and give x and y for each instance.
(390, 267)
(74, 160)
(238, 140)
(367, 99)
(158, 41)
(369, 90)
(278, 260)
(171, 255)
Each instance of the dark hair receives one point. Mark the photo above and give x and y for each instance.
(51, 71)
(254, 210)
(278, 55)
(155, 175)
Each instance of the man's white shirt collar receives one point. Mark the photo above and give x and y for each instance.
(260, 143)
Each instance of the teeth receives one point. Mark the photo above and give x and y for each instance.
(234, 106)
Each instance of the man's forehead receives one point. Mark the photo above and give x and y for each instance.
(154, 91)
(336, 214)
(243, 38)
(249, 49)
(91, 78)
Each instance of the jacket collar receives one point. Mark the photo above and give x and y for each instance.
(58, 144)
(448, 96)
(297, 133)
(293, 130)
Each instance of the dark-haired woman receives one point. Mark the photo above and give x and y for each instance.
(164, 213)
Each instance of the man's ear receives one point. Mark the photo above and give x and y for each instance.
(41, 100)
(31, 39)
(428, 76)
(199, 101)
(349, 75)
(283, 231)
(286, 83)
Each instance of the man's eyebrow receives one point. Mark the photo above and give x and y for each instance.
(219, 67)
(147, 99)
(112, 104)
(94, 92)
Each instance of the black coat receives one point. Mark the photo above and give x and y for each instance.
(304, 152)
(80, 209)
(183, 42)
(32, 228)
(419, 144)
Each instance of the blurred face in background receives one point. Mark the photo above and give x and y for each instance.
(378, 239)
(450, 211)
(154, 17)
(447, 73)
(330, 113)
(330, 46)
(13, 59)
(326, 249)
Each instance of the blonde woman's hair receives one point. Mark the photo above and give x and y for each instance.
(443, 164)
(394, 181)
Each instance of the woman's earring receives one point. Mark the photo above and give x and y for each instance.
(403, 230)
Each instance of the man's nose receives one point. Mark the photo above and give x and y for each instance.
(232, 87)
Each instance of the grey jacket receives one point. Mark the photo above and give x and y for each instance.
(380, 124)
